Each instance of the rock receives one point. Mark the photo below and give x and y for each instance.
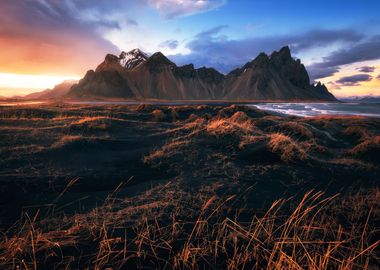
(135, 75)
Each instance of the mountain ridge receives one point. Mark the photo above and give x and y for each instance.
(267, 77)
(58, 91)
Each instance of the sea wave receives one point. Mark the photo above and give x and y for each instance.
(318, 109)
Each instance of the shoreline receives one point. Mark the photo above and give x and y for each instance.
(275, 107)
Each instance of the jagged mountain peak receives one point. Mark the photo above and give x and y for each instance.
(283, 53)
(158, 59)
(281, 57)
(110, 58)
(133, 58)
(111, 62)
(277, 76)
(285, 50)
(260, 61)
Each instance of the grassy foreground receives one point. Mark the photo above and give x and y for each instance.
(180, 231)
(186, 187)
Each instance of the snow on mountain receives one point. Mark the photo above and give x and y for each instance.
(132, 59)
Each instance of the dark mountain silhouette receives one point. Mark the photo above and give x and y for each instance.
(134, 75)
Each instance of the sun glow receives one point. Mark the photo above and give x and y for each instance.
(362, 88)
(12, 84)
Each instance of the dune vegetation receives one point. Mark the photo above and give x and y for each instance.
(186, 187)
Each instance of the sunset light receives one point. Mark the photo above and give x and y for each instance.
(21, 84)
(189, 134)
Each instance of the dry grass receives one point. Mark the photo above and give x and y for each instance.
(93, 123)
(251, 139)
(295, 129)
(311, 146)
(237, 124)
(358, 133)
(168, 150)
(367, 150)
(67, 139)
(288, 149)
(203, 231)
(175, 227)
(240, 117)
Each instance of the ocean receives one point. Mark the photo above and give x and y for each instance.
(322, 109)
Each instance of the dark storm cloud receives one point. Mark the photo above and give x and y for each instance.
(211, 48)
(366, 69)
(354, 79)
(171, 44)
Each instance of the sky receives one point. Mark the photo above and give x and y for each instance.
(43, 42)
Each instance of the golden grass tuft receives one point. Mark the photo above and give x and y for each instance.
(295, 129)
(93, 123)
(238, 124)
(240, 117)
(168, 150)
(288, 149)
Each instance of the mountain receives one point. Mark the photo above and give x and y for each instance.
(132, 59)
(362, 99)
(125, 61)
(58, 91)
(370, 99)
(160, 78)
(274, 77)
(135, 75)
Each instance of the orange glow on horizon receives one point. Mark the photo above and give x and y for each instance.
(13, 84)
(364, 88)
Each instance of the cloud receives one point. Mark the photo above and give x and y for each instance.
(323, 37)
(366, 69)
(53, 37)
(368, 49)
(171, 44)
(132, 22)
(316, 72)
(170, 9)
(363, 51)
(354, 80)
(212, 48)
(378, 77)
(210, 33)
